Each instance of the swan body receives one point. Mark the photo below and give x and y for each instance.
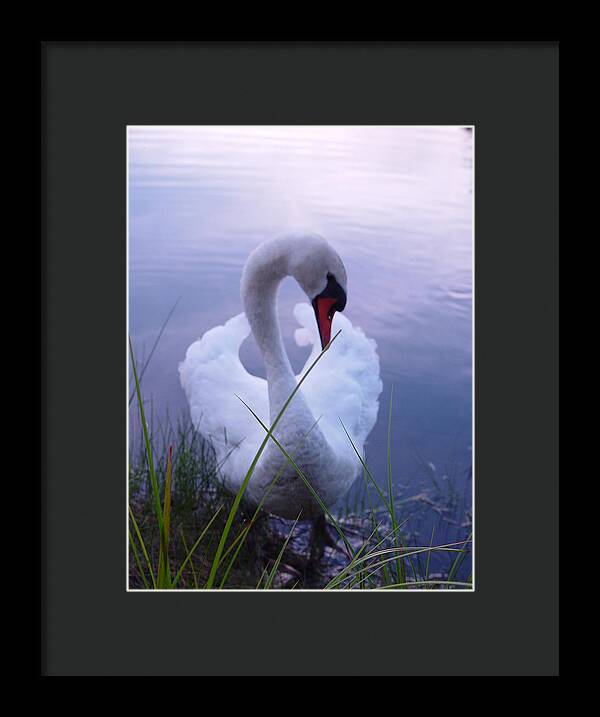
(344, 386)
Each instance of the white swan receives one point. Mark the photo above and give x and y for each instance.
(344, 384)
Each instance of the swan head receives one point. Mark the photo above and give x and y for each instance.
(321, 273)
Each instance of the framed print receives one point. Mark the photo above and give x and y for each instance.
(367, 482)
(311, 366)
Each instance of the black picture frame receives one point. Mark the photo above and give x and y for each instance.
(90, 92)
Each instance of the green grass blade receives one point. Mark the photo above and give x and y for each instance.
(137, 561)
(429, 554)
(458, 561)
(163, 558)
(374, 567)
(280, 555)
(372, 513)
(153, 349)
(244, 485)
(148, 447)
(447, 583)
(305, 480)
(348, 569)
(366, 469)
(239, 540)
(194, 547)
(401, 576)
(143, 546)
(185, 547)
(262, 576)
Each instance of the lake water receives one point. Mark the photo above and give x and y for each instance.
(397, 204)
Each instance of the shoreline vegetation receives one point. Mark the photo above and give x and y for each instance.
(186, 532)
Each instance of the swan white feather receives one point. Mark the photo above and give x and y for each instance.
(344, 387)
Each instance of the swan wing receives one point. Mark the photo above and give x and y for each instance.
(211, 376)
(345, 384)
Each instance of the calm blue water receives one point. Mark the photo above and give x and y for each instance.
(396, 202)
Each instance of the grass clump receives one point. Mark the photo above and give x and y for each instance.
(186, 531)
(194, 506)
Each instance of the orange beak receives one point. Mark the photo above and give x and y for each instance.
(324, 312)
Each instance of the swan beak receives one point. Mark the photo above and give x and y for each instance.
(324, 311)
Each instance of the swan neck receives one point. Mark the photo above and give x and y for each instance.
(261, 278)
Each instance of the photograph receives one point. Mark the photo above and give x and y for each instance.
(300, 358)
